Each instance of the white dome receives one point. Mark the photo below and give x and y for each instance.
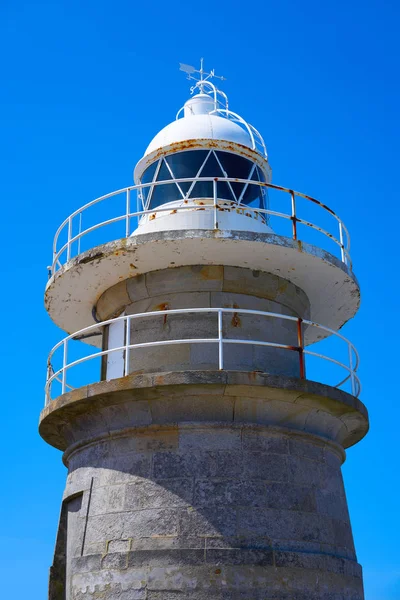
(200, 126)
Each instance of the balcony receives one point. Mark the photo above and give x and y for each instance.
(231, 339)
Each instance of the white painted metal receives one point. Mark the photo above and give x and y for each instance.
(121, 349)
(200, 126)
(203, 144)
(202, 214)
(200, 104)
(217, 105)
(116, 339)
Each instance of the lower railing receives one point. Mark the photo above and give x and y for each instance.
(61, 351)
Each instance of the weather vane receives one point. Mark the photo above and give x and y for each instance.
(190, 71)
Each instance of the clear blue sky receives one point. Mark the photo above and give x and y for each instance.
(85, 86)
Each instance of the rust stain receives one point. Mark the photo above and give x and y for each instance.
(282, 287)
(163, 306)
(173, 212)
(87, 259)
(217, 571)
(253, 375)
(132, 266)
(235, 321)
(210, 272)
(152, 217)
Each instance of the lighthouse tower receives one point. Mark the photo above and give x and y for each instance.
(203, 396)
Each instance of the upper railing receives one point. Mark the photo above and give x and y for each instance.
(119, 221)
(122, 352)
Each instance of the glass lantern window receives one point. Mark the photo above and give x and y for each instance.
(203, 163)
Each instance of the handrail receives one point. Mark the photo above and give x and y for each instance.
(342, 240)
(60, 375)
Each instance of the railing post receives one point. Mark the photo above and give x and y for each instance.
(301, 348)
(215, 202)
(47, 387)
(353, 388)
(220, 342)
(64, 372)
(128, 210)
(127, 344)
(80, 231)
(342, 252)
(293, 217)
(69, 238)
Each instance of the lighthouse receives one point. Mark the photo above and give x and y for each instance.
(204, 395)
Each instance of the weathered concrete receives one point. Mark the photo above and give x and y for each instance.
(199, 286)
(221, 485)
(329, 284)
(187, 482)
(157, 285)
(237, 512)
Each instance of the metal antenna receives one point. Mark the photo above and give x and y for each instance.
(204, 76)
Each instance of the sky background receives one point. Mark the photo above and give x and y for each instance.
(84, 88)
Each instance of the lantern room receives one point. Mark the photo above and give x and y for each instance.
(181, 170)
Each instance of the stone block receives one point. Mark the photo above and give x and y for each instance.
(289, 497)
(270, 412)
(333, 459)
(113, 301)
(190, 407)
(189, 278)
(299, 447)
(130, 414)
(165, 557)
(302, 471)
(300, 560)
(163, 493)
(172, 465)
(332, 480)
(166, 542)
(88, 562)
(109, 499)
(102, 528)
(164, 440)
(227, 463)
(258, 465)
(109, 584)
(115, 561)
(342, 534)
(213, 492)
(210, 438)
(122, 469)
(136, 288)
(205, 355)
(322, 423)
(332, 505)
(150, 522)
(174, 357)
(262, 440)
(248, 281)
(209, 521)
(239, 556)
